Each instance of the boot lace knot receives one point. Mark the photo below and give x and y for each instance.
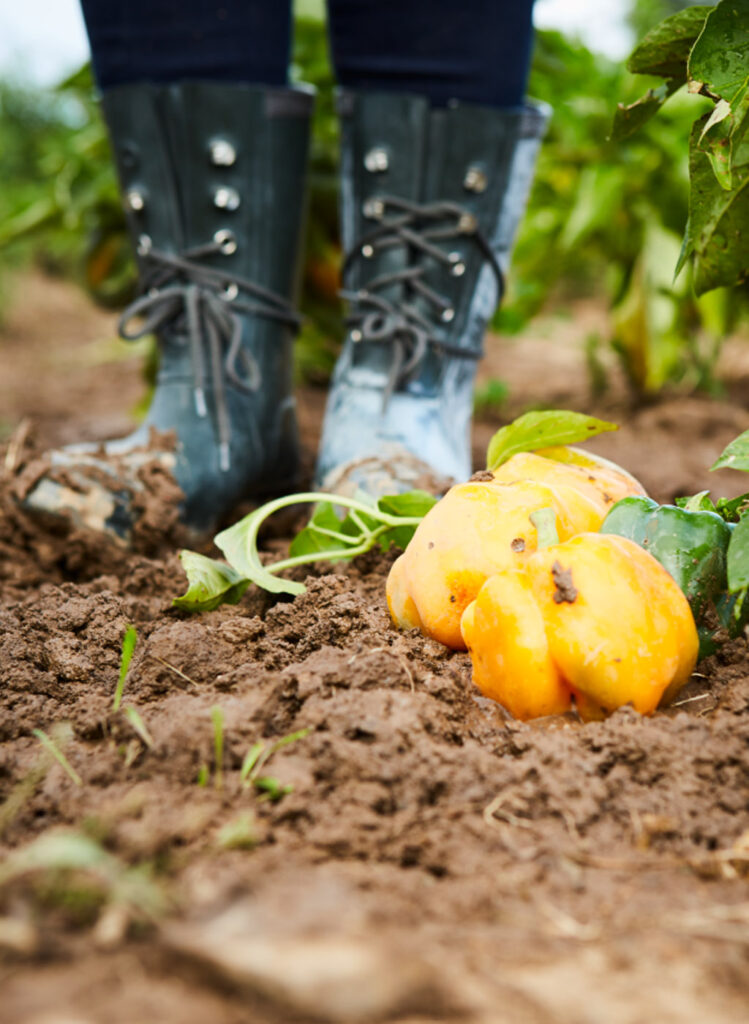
(417, 228)
(204, 307)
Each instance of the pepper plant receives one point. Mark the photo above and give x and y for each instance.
(706, 49)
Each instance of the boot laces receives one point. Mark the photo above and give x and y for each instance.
(417, 227)
(205, 306)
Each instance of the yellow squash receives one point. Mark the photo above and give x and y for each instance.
(603, 481)
(478, 529)
(617, 630)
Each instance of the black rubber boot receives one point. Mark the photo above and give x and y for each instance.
(213, 179)
(431, 199)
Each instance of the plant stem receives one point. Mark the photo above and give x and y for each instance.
(545, 521)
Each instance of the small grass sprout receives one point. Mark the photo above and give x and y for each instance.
(257, 756)
(239, 834)
(133, 717)
(78, 868)
(217, 717)
(128, 647)
(52, 748)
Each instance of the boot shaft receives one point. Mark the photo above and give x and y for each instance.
(478, 160)
(202, 161)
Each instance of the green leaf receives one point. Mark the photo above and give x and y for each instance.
(718, 227)
(598, 192)
(737, 560)
(543, 429)
(665, 49)
(237, 544)
(412, 503)
(211, 583)
(735, 455)
(732, 509)
(630, 117)
(700, 502)
(315, 537)
(271, 788)
(721, 136)
(720, 56)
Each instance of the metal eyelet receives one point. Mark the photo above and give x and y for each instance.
(227, 240)
(458, 266)
(223, 154)
(373, 209)
(225, 198)
(448, 315)
(356, 335)
(467, 224)
(377, 160)
(134, 200)
(367, 252)
(475, 180)
(129, 154)
(144, 246)
(230, 292)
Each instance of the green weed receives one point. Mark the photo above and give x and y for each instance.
(128, 647)
(52, 748)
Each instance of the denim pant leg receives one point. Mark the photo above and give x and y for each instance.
(165, 41)
(477, 51)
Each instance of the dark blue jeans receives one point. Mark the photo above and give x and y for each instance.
(477, 51)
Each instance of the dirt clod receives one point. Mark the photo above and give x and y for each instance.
(566, 591)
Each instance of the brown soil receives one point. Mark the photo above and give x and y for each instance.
(432, 859)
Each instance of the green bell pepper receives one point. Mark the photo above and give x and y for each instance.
(692, 546)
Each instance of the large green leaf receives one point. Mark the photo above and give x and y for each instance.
(238, 546)
(543, 429)
(665, 49)
(211, 583)
(720, 56)
(735, 455)
(718, 227)
(719, 65)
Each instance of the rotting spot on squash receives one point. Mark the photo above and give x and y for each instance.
(453, 599)
(566, 591)
(518, 544)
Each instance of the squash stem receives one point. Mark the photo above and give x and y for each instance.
(545, 521)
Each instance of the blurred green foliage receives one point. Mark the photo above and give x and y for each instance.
(59, 202)
(603, 218)
(643, 14)
(608, 217)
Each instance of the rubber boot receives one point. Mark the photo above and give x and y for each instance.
(213, 179)
(431, 199)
